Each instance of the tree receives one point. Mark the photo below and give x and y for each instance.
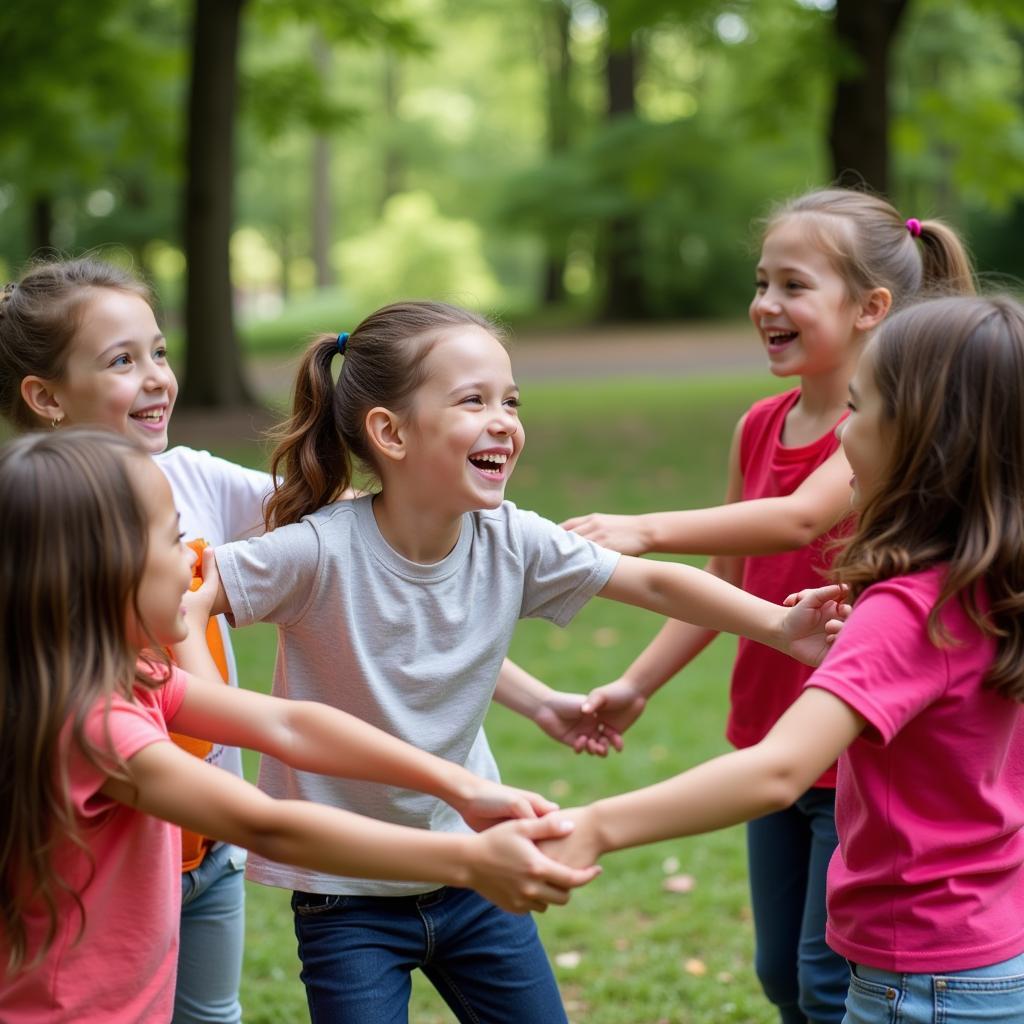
(859, 128)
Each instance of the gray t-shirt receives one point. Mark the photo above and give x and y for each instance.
(413, 649)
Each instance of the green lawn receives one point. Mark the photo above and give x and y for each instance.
(626, 950)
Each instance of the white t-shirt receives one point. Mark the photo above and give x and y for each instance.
(412, 649)
(219, 502)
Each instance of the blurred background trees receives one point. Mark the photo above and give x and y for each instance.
(276, 166)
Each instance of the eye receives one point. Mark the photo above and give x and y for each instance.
(514, 402)
(160, 353)
(760, 285)
(474, 399)
(794, 286)
(121, 360)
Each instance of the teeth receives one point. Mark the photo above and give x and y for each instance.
(495, 457)
(153, 417)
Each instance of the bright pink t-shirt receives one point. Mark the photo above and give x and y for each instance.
(764, 681)
(122, 969)
(930, 801)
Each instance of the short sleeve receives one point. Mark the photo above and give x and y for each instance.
(883, 664)
(562, 570)
(242, 494)
(271, 578)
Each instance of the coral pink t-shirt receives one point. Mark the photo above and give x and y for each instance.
(122, 969)
(765, 681)
(928, 874)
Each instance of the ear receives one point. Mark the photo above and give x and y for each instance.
(874, 308)
(39, 396)
(386, 434)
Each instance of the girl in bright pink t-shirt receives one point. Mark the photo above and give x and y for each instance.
(922, 693)
(832, 263)
(92, 791)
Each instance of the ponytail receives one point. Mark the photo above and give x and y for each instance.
(311, 457)
(945, 265)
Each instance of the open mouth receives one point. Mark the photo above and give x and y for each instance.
(491, 464)
(150, 417)
(777, 339)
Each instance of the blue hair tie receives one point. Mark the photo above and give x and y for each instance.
(342, 339)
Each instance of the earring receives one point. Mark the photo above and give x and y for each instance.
(55, 422)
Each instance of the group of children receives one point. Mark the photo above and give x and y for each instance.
(379, 803)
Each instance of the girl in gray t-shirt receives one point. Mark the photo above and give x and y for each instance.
(399, 608)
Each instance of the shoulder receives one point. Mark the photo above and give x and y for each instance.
(190, 464)
(765, 408)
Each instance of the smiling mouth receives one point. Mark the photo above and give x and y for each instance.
(776, 339)
(491, 464)
(149, 416)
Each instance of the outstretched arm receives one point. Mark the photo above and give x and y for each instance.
(736, 787)
(761, 526)
(503, 863)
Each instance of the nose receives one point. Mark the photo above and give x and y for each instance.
(158, 376)
(505, 422)
(765, 302)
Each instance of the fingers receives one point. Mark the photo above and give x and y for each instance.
(571, 524)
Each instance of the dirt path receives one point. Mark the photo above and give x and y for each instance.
(576, 354)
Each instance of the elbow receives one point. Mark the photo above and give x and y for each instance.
(783, 783)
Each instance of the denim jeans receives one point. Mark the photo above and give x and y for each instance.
(358, 954)
(983, 995)
(788, 853)
(212, 938)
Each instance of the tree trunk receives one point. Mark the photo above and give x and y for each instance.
(41, 225)
(214, 376)
(558, 61)
(321, 208)
(624, 297)
(859, 131)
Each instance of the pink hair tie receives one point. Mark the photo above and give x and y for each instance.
(914, 227)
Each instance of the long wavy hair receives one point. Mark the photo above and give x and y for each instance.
(950, 374)
(324, 440)
(40, 314)
(73, 540)
(869, 245)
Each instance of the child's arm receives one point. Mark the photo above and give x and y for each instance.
(314, 737)
(736, 787)
(761, 526)
(803, 631)
(503, 863)
(557, 713)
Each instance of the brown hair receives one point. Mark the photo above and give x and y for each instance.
(39, 317)
(73, 540)
(383, 365)
(950, 374)
(869, 245)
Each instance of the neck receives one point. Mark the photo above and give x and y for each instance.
(419, 534)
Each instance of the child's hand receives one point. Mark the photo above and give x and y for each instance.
(566, 718)
(813, 621)
(580, 847)
(201, 593)
(508, 869)
(620, 533)
(617, 705)
(486, 803)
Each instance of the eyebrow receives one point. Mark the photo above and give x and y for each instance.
(480, 386)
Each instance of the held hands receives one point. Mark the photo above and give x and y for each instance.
(620, 533)
(814, 620)
(579, 847)
(617, 706)
(507, 868)
(198, 600)
(569, 718)
(485, 803)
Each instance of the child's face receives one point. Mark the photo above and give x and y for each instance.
(117, 373)
(865, 432)
(801, 307)
(168, 570)
(463, 431)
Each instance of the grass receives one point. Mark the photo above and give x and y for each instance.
(626, 950)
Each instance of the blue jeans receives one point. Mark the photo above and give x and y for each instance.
(982, 995)
(789, 853)
(212, 938)
(358, 954)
